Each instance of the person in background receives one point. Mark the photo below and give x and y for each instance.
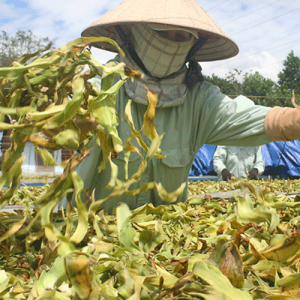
(238, 162)
(165, 40)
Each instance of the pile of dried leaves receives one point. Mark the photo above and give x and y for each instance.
(272, 185)
(243, 248)
(31, 193)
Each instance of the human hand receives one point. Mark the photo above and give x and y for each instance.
(226, 175)
(252, 174)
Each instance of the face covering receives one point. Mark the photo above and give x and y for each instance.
(161, 57)
(169, 81)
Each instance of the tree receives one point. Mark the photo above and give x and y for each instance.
(265, 90)
(228, 86)
(289, 78)
(23, 42)
(223, 84)
(262, 91)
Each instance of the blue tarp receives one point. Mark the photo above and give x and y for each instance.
(203, 164)
(282, 159)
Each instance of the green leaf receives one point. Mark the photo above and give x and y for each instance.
(126, 232)
(46, 156)
(169, 196)
(246, 212)
(227, 258)
(69, 138)
(82, 225)
(54, 277)
(148, 240)
(218, 282)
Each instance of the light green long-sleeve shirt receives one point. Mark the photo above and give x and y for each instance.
(239, 161)
(206, 117)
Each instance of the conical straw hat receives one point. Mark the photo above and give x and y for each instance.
(185, 14)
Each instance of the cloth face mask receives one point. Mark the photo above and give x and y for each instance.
(161, 57)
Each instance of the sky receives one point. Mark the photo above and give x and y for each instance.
(265, 31)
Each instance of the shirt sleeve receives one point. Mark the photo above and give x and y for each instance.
(229, 122)
(219, 159)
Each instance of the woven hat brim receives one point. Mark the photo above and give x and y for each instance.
(185, 14)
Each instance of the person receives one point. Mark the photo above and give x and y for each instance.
(238, 162)
(166, 40)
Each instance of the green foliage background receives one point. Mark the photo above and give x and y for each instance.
(263, 91)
